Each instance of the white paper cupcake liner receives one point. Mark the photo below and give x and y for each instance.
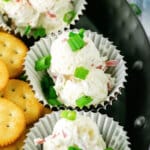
(79, 7)
(106, 48)
(112, 133)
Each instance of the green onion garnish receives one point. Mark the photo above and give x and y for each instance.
(46, 82)
(136, 8)
(109, 148)
(81, 73)
(76, 42)
(81, 33)
(39, 32)
(68, 17)
(47, 87)
(54, 102)
(74, 148)
(68, 114)
(6, 0)
(83, 101)
(43, 63)
(27, 30)
(49, 91)
(52, 92)
(71, 34)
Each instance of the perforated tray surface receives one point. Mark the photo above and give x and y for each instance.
(115, 20)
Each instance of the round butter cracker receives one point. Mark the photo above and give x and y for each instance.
(21, 94)
(18, 144)
(4, 75)
(12, 52)
(46, 111)
(2, 94)
(12, 122)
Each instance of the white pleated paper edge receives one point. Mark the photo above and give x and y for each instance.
(112, 133)
(80, 6)
(105, 47)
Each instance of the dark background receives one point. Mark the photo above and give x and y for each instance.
(115, 20)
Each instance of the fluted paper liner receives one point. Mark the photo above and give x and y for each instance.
(79, 7)
(112, 133)
(105, 47)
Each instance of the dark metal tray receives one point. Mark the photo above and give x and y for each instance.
(115, 20)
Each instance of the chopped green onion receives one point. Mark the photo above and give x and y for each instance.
(39, 32)
(136, 8)
(83, 101)
(81, 33)
(76, 42)
(68, 17)
(71, 34)
(43, 63)
(54, 102)
(52, 92)
(109, 148)
(6, 0)
(27, 30)
(81, 73)
(47, 87)
(49, 91)
(74, 148)
(68, 114)
(46, 82)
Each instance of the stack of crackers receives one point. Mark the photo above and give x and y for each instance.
(19, 108)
